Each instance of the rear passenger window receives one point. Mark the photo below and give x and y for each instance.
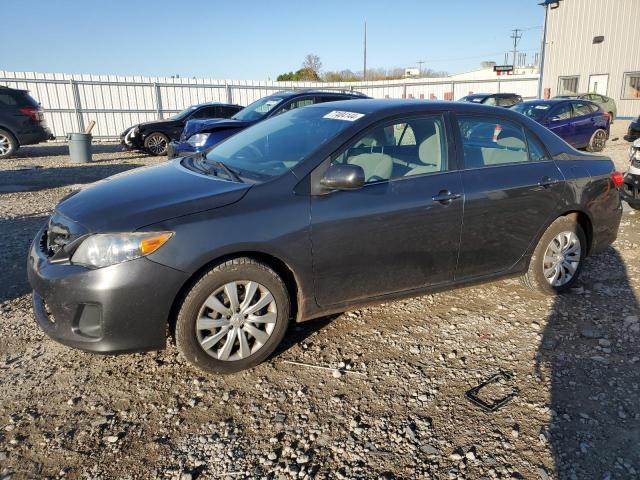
(492, 141)
(403, 149)
(581, 109)
(6, 99)
(537, 152)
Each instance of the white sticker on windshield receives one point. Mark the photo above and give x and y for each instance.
(342, 115)
(541, 107)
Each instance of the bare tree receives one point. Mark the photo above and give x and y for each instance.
(312, 62)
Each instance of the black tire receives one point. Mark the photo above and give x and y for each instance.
(597, 141)
(236, 270)
(535, 278)
(8, 144)
(156, 144)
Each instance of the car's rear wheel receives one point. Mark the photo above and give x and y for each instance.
(234, 317)
(156, 143)
(8, 144)
(557, 261)
(598, 141)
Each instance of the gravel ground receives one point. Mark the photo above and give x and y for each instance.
(393, 407)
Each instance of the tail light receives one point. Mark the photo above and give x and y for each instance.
(32, 112)
(617, 178)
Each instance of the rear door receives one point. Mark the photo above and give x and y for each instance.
(584, 120)
(512, 190)
(401, 230)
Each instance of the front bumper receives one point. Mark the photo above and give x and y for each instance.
(131, 140)
(181, 149)
(116, 309)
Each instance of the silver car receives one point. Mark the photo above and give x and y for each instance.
(607, 104)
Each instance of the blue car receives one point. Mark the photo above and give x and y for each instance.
(580, 123)
(199, 135)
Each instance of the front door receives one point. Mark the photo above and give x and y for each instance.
(560, 122)
(401, 230)
(512, 190)
(598, 84)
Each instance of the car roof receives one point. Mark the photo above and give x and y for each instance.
(2, 87)
(213, 104)
(313, 91)
(386, 107)
(502, 95)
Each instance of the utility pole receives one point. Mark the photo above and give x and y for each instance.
(516, 38)
(420, 62)
(364, 69)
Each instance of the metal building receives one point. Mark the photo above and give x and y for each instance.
(594, 46)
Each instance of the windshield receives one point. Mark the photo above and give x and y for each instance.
(257, 109)
(270, 148)
(183, 114)
(537, 111)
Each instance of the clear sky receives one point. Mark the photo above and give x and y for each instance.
(255, 39)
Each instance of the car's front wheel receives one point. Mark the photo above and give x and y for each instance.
(557, 260)
(8, 144)
(234, 317)
(598, 141)
(156, 144)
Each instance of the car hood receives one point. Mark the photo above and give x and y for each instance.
(211, 125)
(140, 197)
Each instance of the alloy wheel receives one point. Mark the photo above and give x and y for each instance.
(5, 145)
(236, 320)
(562, 258)
(157, 144)
(599, 139)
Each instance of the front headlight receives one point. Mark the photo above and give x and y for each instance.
(104, 249)
(198, 140)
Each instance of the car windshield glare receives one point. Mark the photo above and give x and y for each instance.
(271, 148)
(537, 111)
(257, 109)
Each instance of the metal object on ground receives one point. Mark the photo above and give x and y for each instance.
(473, 394)
(79, 147)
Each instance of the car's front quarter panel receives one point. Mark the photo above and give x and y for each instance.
(271, 220)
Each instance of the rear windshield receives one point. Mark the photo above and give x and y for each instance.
(274, 146)
(537, 111)
(18, 98)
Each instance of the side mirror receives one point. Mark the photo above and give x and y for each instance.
(343, 177)
(555, 118)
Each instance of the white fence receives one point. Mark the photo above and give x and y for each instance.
(116, 102)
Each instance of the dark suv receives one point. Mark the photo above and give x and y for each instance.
(506, 100)
(21, 121)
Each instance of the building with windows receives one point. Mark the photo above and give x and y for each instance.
(594, 46)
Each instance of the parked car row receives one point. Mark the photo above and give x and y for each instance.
(314, 211)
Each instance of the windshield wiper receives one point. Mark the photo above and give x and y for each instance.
(232, 173)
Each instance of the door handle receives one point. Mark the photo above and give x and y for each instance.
(547, 181)
(445, 196)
